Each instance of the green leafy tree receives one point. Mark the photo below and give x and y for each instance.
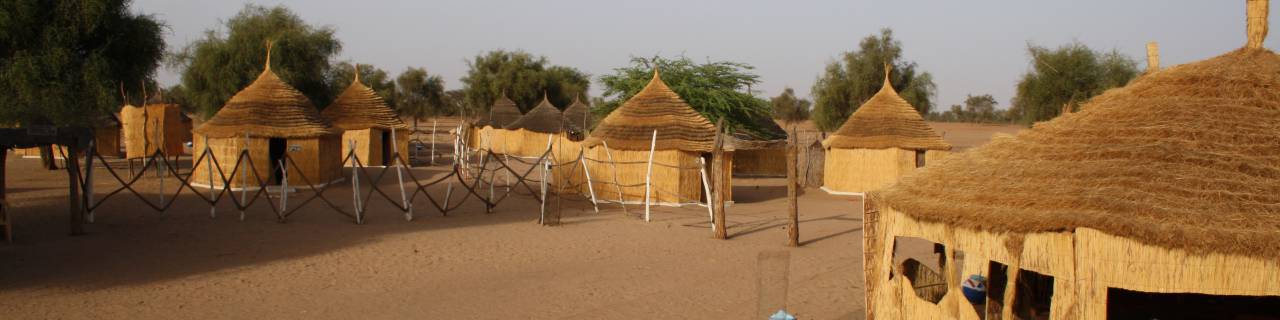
(849, 82)
(523, 77)
(454, 103)
(225, 61)
(979, 108)
(342, 73)
(64, 62)
(421, 94)
(788, 107)
(1072, 73)
(716, 89)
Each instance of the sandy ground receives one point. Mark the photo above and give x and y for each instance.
(137, 263)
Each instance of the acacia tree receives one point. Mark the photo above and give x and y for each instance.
(226, 60)
(342, 73)
(716, 89)
(64, 62)
(420, 94)
(788, 107)
(1072, 73)
(523, 78)
(847, 83)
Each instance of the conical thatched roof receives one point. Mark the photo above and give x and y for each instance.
(655, 107)
(886, 121)
(359, 108)
(576, 114)
(1186, 158)
(544, 118)
(503, 112)
(268, 107)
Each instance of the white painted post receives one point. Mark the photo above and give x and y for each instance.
(433, 142)
(284, 186)
(404, 198)
(648, 176)
(706, 187)
(355, 181)
(590, 189)
(617, 184)
(208, 164)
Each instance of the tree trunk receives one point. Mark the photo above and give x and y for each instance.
(46, 158)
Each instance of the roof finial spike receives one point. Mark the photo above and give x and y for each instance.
(1256, 12)
(1153, 56)
(269, 44)
(887, 69)
(656, 73)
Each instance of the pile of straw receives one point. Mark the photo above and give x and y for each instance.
(655, 107)
(886, 121)
(359, 108)
(1185, 158)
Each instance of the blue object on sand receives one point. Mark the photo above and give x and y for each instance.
(782, 315)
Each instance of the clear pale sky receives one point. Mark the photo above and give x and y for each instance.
(972, 46)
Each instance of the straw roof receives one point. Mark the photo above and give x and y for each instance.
(1186, 158)
(886, 121)
(577, 114)
(359, 108)
(545, 118)
(503, 112)
(767, 134)
(655, 107)
(268, 107)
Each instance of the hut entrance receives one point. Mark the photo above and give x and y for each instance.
(1125, 304)
(386, 147)
(276, 148)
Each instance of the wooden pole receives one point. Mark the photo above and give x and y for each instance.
(244, 175)
(613, 166)
(591, 190)
(706, 187)
(355, 183)
(432, 157)
(648, 176)
(793, 209)
(208, 165)
(73, 178)
(88, 179)
(717, 164)
(404, 196)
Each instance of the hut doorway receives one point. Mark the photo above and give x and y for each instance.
(386, 147)
(276, 148)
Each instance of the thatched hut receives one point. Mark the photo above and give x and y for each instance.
(492, 131)
(578, 116)
(759, 151)
(883, 140)
(683, 138)
(1155, 200)
(156, 126)
(106, 139)
(529, 135)
(367, 125)
(269, 118)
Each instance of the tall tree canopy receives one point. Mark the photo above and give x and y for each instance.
(979, 108)
(342, 73)
(850, 81)
(716, 89)
(1071, 74)
(788, 107)
(62, 62)
(420, 94)
(225, 61)
(523, 77)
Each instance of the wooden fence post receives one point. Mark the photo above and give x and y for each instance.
(793, 209)
(73, 175)
(717, 163)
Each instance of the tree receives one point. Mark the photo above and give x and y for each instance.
(454, 103)
(716, 89)
(66, 63)
(523, 77)
(421, 94)
(342, 73)
(979, 108)
(849, 82)
(1072, 73)
(223, 62)
(789, 108)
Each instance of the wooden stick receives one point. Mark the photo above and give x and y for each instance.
(208, 164)
(404, 197)
(88, 179)
(613, 166)
(284, 186)
(717, 163)
(706, 186)
(355, 181)
(73, 176)
(432, 157)
(244, 176)
(590, 189)
(648, 176)
(793, 209)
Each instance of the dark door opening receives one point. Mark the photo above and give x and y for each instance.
(1125, 304)
(276, 148)
(387, 148)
